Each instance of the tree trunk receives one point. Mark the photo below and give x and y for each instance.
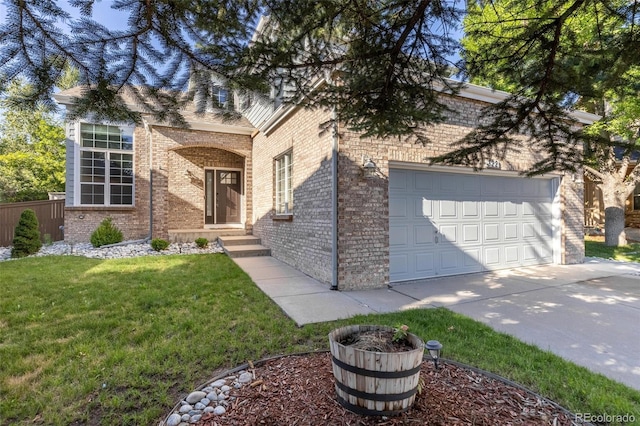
(614, 197)
(614, 234)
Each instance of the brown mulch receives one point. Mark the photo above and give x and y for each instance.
(299, 390)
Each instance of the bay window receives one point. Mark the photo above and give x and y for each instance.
(106, 165)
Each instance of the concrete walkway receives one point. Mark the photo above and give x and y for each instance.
(588, 313)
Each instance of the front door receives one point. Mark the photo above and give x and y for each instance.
(223, 191)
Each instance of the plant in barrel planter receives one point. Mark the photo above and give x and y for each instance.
(376, 368)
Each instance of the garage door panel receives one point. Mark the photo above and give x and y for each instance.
(509, 209)
(398, 180)
(399, 265)
(483, 223)
(448, 234)
(492, 256)
(447, 209)
(424, 234)
(491, 209)
(510, 231)
(471, 234)
(423, 181)
(511, 254)
(470, 210)
(530, 231)
(398, 207)
(448, 184)
(423, 208)
(425, 263)
(491, 233)
(399, 235)
(449, 260)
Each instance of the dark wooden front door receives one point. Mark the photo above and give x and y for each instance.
(223, 196)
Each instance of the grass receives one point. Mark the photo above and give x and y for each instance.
(594, 247)
(86, 341)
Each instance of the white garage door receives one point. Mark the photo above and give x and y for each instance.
(448, 223)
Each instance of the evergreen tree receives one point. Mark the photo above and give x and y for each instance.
(387, 56)
(555, 55)
(27, 235)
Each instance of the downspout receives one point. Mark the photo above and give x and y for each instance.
(334, 202)
(149, 137)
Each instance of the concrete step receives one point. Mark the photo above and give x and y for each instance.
(238, 240)
(246, 250)
(190, 235)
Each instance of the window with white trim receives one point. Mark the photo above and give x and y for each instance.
(106, 165)
(636, 198)
(284, 180)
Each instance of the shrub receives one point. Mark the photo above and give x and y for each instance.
(202, 242)
(26, 238)
(107, 233)
(158, 244)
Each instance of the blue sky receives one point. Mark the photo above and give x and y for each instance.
(102, 13)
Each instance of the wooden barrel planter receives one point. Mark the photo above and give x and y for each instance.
(375, 383)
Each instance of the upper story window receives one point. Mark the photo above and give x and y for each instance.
(284, 180)
(220, 96)
(106, 165)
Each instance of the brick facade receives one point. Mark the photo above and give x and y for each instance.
(363, 245)
(363, 203)
(179, 158)
(305, 241)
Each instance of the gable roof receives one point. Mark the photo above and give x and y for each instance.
(208, 121)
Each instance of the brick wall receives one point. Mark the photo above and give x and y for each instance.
(80, 222)
(176, 192)
(179, 158)
(363, 203)
(305, 241)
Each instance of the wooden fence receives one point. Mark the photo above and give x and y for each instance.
(50, 215)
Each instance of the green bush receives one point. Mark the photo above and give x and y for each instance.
(26, 238)
(202, 242)
(158, 244)
(107, 233)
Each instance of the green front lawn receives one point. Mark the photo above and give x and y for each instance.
(120, 341)
(594, 247)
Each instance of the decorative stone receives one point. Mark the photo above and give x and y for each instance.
(205, 401)
(219, 383)
(219, 410)
(209, 410)
(196, 418)
(212, 396)
(174, 420)
(244, 378)
(200, 406)
(195, 397)
(185, 417)
(185, 408)
(225, 388)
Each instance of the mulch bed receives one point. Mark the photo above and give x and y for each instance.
(299, 390)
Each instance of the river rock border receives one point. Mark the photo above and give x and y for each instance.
(213, 398)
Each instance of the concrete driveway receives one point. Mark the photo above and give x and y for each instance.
(587, 313)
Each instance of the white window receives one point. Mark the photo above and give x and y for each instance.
(284, 187)
(220, 95)
(636, 198)
(106, 165)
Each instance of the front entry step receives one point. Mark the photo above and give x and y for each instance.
(243, 246)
